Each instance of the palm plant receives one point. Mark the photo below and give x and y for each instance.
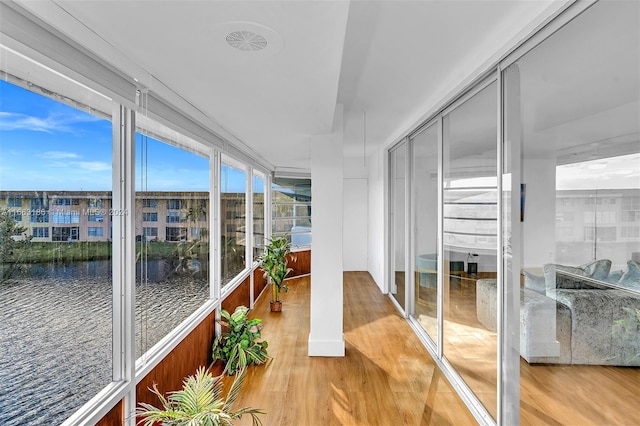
(200, 402)
(274, 264)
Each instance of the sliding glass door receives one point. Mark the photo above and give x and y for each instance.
(425, 207)
(398, 220)
(573, 128)
(470, 242)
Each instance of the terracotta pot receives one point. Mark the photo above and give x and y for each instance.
(276, 306)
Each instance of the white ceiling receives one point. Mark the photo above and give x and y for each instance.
(393, 59)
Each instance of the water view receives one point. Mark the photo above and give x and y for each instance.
(55, 339)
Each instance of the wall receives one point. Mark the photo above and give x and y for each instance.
(355, 198)
(354, 235)
(539, 238)
(376, 223)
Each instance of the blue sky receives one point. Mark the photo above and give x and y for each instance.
(46, 145)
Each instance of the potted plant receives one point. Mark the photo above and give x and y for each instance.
(199, 402)
(239, 347)
(274, 264)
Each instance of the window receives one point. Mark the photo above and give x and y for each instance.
(233, 199)
(630, 232)
(73, 297)
(95, 203)
(198, 232)
(39, 211)
(39, 216)
(39, 232)
(17, 216)
(95, 217)
(65, 217)
(14, 202)
(258, 214)
(93, 231)
(174, 259)
(175, 234)
(175, 204)
(150, 232)
(599, 217)
(150, 203)
(600, 233)
(65, 202)
(175, 217)
(59, 233)
(149, 217)
(292, 210)
(631, 216)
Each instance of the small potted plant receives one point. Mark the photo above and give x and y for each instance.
(274, 264)
(199, 402)
(239, 346)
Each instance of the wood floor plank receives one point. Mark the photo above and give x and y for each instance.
(386, 378)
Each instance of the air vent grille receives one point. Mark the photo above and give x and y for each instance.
(246, 41)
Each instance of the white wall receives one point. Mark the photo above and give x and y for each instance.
(354, 235)
(539, 238)
(377, 214)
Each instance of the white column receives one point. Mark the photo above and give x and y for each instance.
(326, 337)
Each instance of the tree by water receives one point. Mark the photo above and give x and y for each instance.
(13, 237)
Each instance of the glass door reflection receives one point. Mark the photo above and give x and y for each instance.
(398, 221)
(470, 243)
(425, 178)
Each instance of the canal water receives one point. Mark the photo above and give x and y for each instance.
(55, 335)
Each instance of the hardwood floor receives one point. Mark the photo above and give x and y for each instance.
(386, 378)
(550, 394)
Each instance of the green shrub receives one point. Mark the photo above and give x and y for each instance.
(239, 346)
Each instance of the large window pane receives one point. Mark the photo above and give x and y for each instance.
(55, 265)
(578, 116)
(292, 210)
(172, 234)
(233, 221)
(398, 213)
(470, 241)
(258, 215)
(425, 180)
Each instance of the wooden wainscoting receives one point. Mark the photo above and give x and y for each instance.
(115, 417)
(300, 262)
(194, 351)
(259, 283)
(240, 296)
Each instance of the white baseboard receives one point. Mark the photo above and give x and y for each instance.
(333, 348)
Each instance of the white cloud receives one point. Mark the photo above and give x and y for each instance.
(58, 155)
(51, 123)
(93, 166)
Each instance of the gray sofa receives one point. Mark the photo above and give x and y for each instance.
(578, 318)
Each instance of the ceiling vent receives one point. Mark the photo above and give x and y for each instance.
(247, 41)
(244, 40)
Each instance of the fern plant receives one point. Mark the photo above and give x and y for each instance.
(239, 346)
(200, 402)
